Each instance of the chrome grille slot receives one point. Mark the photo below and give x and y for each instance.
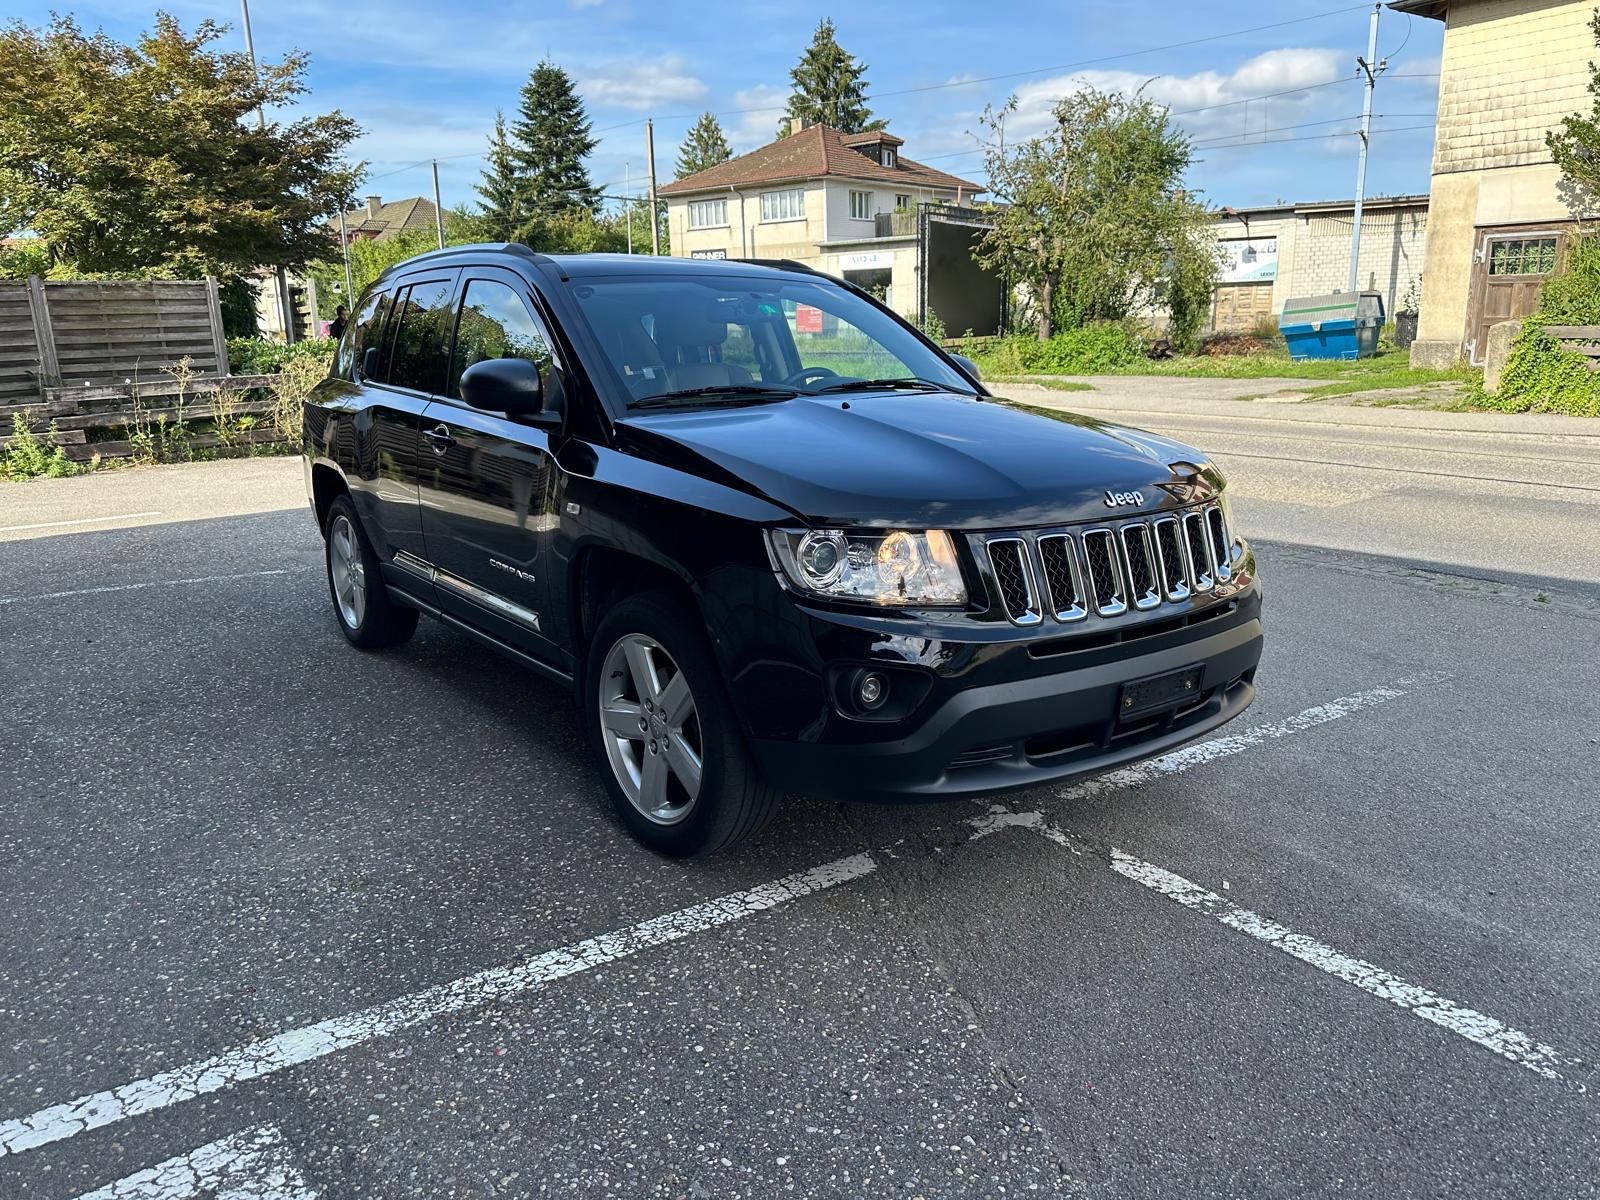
(1062, 579)
(1139, 557)
(1103, 574)
(1013, 574)
(1169, 559)
(1221, 545)
(1199, 552)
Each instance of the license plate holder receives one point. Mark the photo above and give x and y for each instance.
(1156, 693)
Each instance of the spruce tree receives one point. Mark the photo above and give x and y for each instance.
(704, 147)
(502, 187)
(550, 139)
(830, 87)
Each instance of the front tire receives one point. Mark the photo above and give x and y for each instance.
(367, 615)
(669, 748)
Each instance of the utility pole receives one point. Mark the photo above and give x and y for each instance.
(438, 208)
(650, 154)
(280, 276)
(627, 205)
(344, 244)
(1372, 69)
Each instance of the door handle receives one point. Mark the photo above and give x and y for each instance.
(439, 438)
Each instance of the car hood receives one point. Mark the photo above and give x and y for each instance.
(915, 460)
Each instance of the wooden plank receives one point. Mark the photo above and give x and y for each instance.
(43, 335)
(219, 338)
(200, 441)
(192, 410)
(1587, 333)
(163, 387)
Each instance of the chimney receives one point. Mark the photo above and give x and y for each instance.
(374, 203)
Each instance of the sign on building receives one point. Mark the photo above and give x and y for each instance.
(708, 254)
(869, 260)
(1248, 260)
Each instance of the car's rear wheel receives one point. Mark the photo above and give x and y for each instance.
(361, 602)
(675, 763)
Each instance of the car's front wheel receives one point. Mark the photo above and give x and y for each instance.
(367, 615)
(675, 763)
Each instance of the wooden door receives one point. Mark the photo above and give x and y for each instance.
(1511, 266)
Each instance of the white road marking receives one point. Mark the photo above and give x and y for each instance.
(253, 1165)
(136, 587)
(296, 1046)
(1233, 743)
(1475, 1026)
(79, 521)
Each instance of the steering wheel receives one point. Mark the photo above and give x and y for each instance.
(809, 375)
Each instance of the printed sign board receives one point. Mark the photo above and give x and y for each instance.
(868, 260)
(708, 254)
(1248, 260)
(807, 319)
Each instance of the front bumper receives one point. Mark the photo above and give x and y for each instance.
(1031, 728)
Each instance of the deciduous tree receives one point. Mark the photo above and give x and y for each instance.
(1092, 214)
(147, 158)
(703, 148)
(1575, 146)
(830, 87)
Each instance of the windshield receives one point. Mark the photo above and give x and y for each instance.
(721, 339)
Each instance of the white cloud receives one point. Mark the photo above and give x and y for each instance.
(640, 86)
(760, 109)
(1220, 96)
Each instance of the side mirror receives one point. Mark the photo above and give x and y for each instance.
(967, 365)
(508, 385)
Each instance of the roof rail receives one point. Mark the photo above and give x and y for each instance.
(477, 248)
(784, 264)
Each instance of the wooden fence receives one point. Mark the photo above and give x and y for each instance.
(104, 421)
(1579, 339)
(55, 334)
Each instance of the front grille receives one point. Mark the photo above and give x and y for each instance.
(1169, 555)
(1109, 569)
(1061, 577)
(1194, 533)
(1221, 555)
(1104, 572)
(1014, 576)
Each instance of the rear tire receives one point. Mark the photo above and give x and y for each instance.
(668, 745)
(367, 615)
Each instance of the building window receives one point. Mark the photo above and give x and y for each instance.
(1522, 256)
(888, 156)
(784, 206)
(708, 214)
(861, 206)
(902, 202)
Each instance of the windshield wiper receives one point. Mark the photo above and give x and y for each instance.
(728, 393)
(890, 385)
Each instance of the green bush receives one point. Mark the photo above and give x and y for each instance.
(26, 457)
(1541, 377)
(261, 356)
(1087, 350)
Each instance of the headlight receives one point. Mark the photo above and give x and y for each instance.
(899, 568)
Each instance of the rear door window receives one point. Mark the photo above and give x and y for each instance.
(420, 347)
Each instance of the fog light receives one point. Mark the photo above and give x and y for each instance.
(872, 690)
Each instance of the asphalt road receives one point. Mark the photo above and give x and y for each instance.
(289, 920)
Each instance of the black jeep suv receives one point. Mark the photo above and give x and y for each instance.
(773, 537)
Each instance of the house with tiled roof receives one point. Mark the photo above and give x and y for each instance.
(850, 204)
(377, 221)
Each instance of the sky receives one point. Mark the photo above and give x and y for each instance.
(1271, 112)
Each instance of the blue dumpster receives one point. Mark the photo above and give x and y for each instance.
(1338, 325)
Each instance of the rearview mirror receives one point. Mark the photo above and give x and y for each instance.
(967, 365)
(508, 385)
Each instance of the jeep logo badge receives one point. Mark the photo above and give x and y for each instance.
(1122, 499)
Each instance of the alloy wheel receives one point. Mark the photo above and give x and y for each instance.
(651, 729)
(347, 572)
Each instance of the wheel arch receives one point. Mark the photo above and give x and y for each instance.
(327, 485)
